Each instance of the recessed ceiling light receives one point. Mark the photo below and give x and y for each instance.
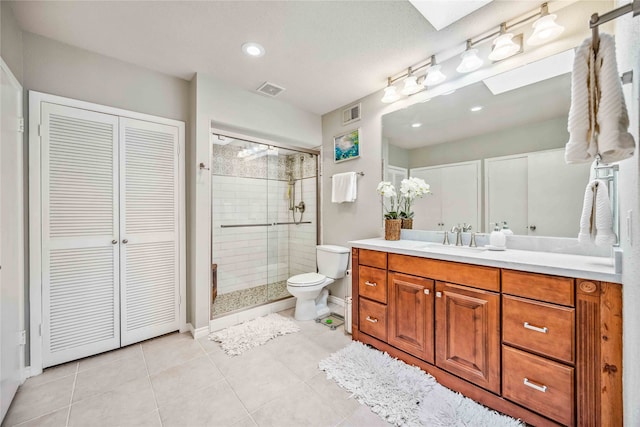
(253, 49)
(416, 125)
(476, 108)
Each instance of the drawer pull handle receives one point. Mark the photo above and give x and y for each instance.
(426, 292)
(372, 319)
(535, 328)
(372, 284)
(542, 388)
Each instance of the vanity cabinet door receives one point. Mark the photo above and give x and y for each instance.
(468, 334)
(411, 315)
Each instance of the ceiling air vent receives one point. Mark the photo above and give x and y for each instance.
(270, 89)
(351, 114)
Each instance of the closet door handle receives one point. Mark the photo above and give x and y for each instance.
(114, 241)
(125, 241)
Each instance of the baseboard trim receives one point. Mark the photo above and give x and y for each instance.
(197, 333)
(336, 300)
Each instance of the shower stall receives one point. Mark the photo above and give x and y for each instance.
(264, 210)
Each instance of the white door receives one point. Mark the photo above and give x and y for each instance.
(461, 195)
(544, 201)
(11, 238)
(507, 193)
(149, 207)
(428, 210)
(395, 175)
(80, 277)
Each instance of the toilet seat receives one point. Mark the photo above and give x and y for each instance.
(306, 279)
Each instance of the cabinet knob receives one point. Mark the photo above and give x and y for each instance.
(532, 227)
(439, 294)
(426, 292)
(125, 241)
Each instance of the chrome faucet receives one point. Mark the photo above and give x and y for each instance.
(458, 230)
(446, 238)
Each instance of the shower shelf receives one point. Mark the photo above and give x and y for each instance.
(263, 225)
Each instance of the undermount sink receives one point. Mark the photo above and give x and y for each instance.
(431, 246)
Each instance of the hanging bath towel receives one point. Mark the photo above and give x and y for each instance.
(596, 223)
(344, 187)
(614, 142)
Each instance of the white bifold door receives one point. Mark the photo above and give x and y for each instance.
(109, 231)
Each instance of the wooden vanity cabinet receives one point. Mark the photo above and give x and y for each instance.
(468, 334)
(545, 349)
(411, 315)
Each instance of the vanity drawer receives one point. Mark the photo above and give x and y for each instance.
(542, 287)
(539, 327)
(373, 319)
(539, 384)
(373, 258)
(372, 283)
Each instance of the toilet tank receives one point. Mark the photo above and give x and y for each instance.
(332, 260)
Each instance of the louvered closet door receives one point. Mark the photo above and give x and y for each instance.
(80, 277)
(149, 230)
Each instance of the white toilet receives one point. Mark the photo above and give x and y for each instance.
(309, 288)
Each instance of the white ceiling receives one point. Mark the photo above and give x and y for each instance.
(448, 118)
(325, 53)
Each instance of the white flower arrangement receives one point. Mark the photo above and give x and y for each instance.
(388, 191)
(411, 189)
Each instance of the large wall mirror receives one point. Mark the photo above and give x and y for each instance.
(493, 151)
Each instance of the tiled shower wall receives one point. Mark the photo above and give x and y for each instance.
(252, 256)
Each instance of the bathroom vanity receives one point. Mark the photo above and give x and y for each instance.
(534, 335)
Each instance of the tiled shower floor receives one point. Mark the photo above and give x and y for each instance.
(245, 298)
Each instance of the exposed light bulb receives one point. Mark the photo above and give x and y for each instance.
(503, 45)
(545, 29)
(410, 85)
(470, 61)
(390, 93)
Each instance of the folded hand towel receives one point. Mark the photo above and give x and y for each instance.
(596, 223)
(344, 187)
(614, 142)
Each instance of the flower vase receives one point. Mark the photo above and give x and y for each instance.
(392, 229)
(407, 223)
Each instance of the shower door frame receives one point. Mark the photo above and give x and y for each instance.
(257, 140)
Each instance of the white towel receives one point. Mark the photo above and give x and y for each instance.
(344, 187)
(581, 125)
(596, 223)
(614, 142)
(598, 119)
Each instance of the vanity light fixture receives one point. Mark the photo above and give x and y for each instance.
(476, 108)
(253, 49)
(410, 84)
(434, 75)
(503, 45)
(545, 28)
(390, 93)
(416, 125)
(470, 59)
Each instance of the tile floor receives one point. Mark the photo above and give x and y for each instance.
(177, 381)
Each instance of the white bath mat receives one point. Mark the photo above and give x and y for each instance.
(405, 395)
(235, 340)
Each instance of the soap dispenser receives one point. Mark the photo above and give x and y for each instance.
(506, 230)
(497, 239)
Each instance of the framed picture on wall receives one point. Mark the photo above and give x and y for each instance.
(346, 146)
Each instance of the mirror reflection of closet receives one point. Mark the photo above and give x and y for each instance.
(517, 136)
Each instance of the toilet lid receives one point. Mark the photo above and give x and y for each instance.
(306, 279)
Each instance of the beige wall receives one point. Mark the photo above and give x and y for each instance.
(528, 138)
(60, 69)
(628, 54)
(242, 111)
(10, 40)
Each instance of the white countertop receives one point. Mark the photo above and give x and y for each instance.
(578, 266)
